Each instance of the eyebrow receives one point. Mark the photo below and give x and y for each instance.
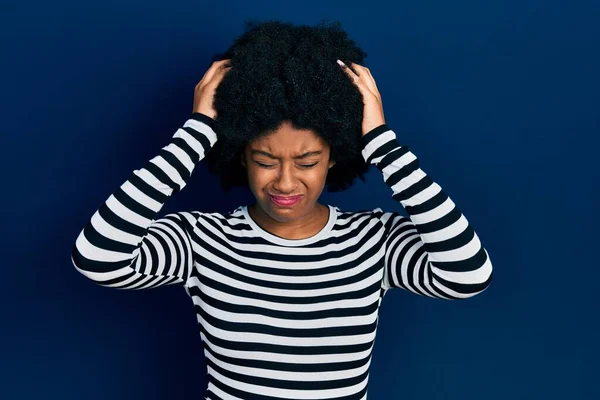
(305, 155)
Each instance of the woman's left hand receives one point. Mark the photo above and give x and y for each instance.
(373, 111)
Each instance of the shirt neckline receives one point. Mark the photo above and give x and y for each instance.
(292, 242)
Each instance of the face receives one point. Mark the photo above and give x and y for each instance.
(287, 171)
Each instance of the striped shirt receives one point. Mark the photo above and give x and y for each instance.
(283, 318)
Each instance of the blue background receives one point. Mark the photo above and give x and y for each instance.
(500, 100)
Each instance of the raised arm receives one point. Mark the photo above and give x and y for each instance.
(435, 252)
(123, 246)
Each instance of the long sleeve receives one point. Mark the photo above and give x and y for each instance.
(123, 246)
(435, 252)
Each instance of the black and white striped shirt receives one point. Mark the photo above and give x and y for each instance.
(282, 318)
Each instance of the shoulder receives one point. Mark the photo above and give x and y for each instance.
(216, 218)
(370, 213)
(387, 219)
(377, 213)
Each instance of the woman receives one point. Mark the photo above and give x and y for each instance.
(286, 290)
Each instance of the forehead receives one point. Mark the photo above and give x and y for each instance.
(286, 137)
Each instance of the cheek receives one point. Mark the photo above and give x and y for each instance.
(323, 171)
(316, 175)
(259, 178)
(315, 179)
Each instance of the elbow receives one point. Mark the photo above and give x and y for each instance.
(474, 278)
(480, 279)
(478, 288)
(94, 266)
(98, 272)
(82, 256)
(81, 264)
(486, 273)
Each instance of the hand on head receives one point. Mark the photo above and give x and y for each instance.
(204, 92)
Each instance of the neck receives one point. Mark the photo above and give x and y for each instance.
(300, 228)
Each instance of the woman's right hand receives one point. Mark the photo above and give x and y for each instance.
(204, 92)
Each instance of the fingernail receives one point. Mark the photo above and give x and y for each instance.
(341, 63)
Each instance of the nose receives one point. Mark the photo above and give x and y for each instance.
(286, 182)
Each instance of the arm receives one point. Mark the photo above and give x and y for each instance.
(122, 246)
(435, 252)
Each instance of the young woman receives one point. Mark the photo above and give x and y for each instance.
(286, 290)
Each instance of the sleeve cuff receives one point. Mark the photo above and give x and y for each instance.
(378, 142)
(204, 118)
(373, 133)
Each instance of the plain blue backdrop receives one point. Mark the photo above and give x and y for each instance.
(500, 100)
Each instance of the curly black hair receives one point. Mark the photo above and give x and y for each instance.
(287, 72)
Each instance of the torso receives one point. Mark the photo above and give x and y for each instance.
(287, 318)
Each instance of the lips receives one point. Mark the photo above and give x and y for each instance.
(285, 200)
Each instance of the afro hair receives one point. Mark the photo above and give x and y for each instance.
(283, 72)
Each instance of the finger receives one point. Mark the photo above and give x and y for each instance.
(370, 82)
(361, 70)
(354, 77)
(374, 84)
(206, 73)
(367, 78)
(218, 76)
(352, 67)
(211, 71)
(216, 66)
(221, 72)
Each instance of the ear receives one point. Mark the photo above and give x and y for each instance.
(243, 159)
(331, 164)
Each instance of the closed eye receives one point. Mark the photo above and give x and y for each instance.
(264, 165)
(308, 165)
(273, 165)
